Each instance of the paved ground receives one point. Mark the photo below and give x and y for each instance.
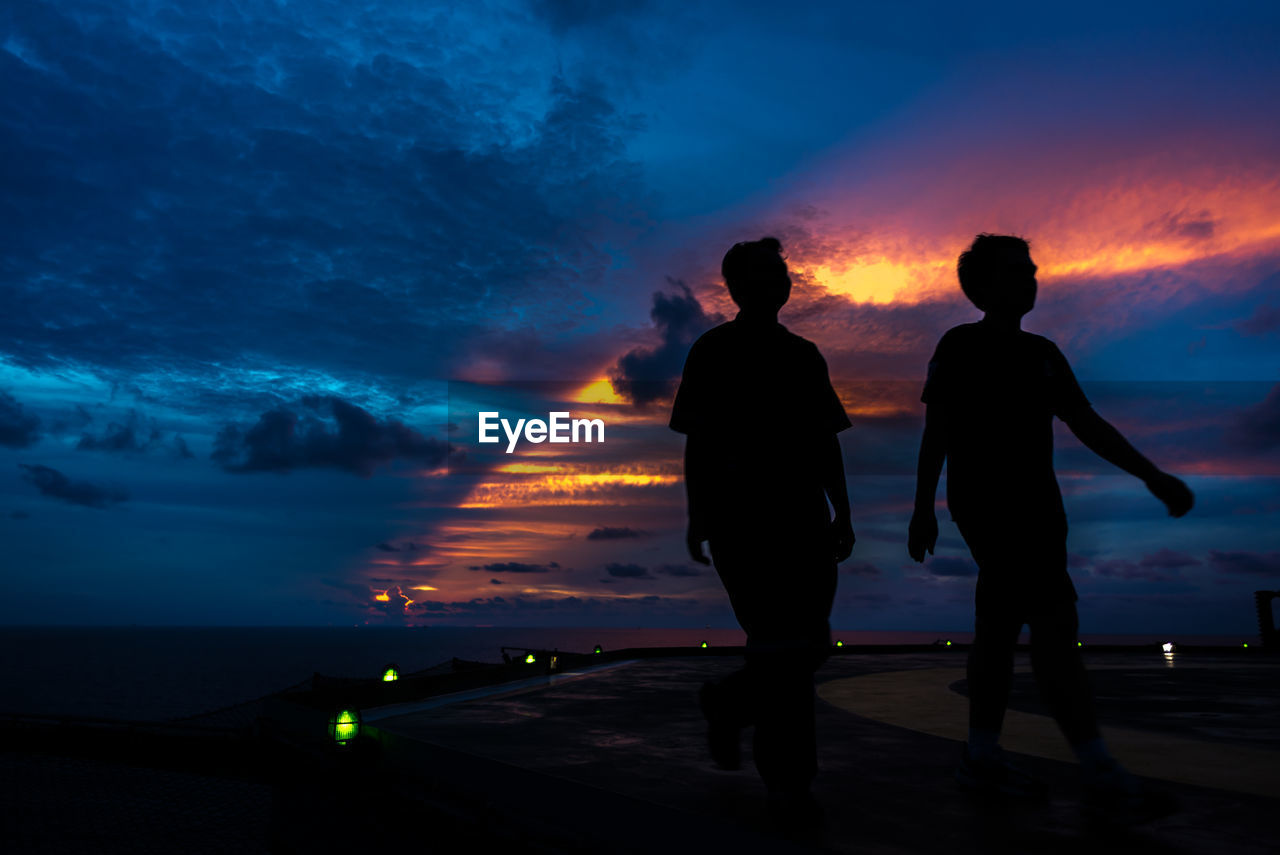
(889, 727)
(614, 760)
(64, 805)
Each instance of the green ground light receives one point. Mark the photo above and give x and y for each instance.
(530, 659)
(390, 675)
(345, 726)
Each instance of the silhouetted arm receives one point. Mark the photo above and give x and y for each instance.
(833, 482)
(1100, 437)
(695, 487)
(922, 535)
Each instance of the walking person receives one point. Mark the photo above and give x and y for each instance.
(762, 459)
(991, 395)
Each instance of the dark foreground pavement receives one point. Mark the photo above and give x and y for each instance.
(615, 760)
(887, 786)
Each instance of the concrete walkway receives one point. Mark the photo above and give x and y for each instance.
(889, 729)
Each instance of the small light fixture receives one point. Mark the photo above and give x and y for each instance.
(598, 649)
(1079, 643)
(344, 726)
(703, 644)
(390, 674)
(948, 642)
(1169, 648)
(839, 643)
(530, 659)
(1245, 645)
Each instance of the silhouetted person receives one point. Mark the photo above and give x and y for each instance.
(761, 460)
(992, 392)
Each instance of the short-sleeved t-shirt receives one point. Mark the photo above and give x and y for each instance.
(763, 398)
(999, 391)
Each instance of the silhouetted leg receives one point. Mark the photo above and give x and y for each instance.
(788, 636)
(785, 742)
(733, 695)
(735, 698)
(1060, 673)
(990, 668)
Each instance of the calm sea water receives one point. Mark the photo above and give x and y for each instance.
(157, 673)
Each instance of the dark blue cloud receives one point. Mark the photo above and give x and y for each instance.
(18, 428)
(56, 485)
(1165, 565)
(279, 194)
(282, 441)
(128, 437)
(1257, 428)
(615, 533)
(627, 571)
(1241, 563)
(859, 568)
(564, 15)
(516, 567)
(680, 570)
(648, 374)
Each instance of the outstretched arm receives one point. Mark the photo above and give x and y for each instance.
(1100, 437)
(833, 482)
(923, 533)
(695, 490)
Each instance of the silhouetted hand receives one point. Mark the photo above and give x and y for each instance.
(842, 537)
(1176, 495)
(693, 539)
(922, 535)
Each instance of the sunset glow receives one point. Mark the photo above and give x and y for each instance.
(252, 319)
(879, 280)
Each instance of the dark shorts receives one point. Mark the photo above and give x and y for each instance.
(1022, 565)
(781, 590)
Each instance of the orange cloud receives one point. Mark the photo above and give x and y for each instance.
(390, 594)
(887, 226)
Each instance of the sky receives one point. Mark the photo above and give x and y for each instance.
(263, 264)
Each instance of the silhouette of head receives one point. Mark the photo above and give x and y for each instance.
(997, 274)
(757, 276)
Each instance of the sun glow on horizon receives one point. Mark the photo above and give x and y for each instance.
(881, 280)
(597, 392)
(1151, 217)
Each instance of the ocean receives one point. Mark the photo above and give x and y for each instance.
(164, 673)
